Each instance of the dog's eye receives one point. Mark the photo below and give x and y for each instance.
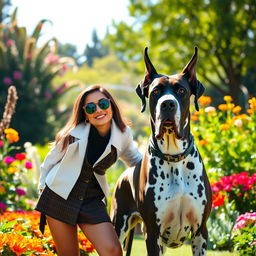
(156, 91)
(181, 91)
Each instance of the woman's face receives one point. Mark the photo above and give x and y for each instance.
(101, 118)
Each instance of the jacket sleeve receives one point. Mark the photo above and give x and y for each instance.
(130, 153)
(52, 158)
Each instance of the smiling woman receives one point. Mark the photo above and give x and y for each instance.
(73, 183)
(72, 22)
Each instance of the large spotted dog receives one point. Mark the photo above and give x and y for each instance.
(169, 190)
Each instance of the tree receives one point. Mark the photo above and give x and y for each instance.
(68, 50)
(224, 31)
(4, 5)
(97, 50)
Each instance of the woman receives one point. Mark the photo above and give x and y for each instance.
(72, 176)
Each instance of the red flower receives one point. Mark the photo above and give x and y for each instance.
(20, 156)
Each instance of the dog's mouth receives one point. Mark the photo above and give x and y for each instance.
(165, 126)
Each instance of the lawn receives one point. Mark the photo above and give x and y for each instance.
(139, 249)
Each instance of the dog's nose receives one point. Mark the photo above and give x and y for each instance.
(169, 105)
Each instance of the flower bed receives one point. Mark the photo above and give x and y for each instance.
(20, 235)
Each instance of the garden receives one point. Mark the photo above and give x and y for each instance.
(38, 86)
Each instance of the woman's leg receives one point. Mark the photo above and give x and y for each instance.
(64, 237)
(103, 237)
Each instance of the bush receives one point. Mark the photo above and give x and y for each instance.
(32, 70)
(226, 137)
(12, 191)
(244, 234)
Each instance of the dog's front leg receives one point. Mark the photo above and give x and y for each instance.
(199, 242)
(153, 240)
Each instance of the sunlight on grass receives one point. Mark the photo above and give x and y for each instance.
(139, 249)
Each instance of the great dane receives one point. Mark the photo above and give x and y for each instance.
(169, 190)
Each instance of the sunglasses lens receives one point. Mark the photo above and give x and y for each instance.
(90, 108)
(104, 103)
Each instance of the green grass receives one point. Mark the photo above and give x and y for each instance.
(139, 249)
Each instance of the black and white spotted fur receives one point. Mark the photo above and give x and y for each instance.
(171, 199)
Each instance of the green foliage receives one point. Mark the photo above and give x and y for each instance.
(224, 31)
(245, 236)
(32, 70)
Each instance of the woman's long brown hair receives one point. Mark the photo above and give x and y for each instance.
(78, 115)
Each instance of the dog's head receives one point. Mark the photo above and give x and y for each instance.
(169, 96)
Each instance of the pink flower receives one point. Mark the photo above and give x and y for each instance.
(9, 160)
(17, 75)
(2, 206)
(61, 89)
(9, 43)
(48, 95)
(28, 165)
(242, 220)
(7, 80)
(1, 143)
(20, 191)
(20, 156)
(52, 59)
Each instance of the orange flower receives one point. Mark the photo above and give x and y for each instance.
(236, 109)
(250, 111)
(203, 142)
(2, 189)
(228, 98)
(12, 169)
(224, 127)
(12, 135)
(228, 106)
(193, 118)
(205, 100)
(223, 107)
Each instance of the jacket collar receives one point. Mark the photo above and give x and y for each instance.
(81, 131)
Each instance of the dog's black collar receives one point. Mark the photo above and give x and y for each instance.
(171, 158)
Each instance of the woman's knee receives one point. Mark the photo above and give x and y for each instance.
(113, 249)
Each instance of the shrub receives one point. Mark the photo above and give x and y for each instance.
(12, 191)
(244, 234)
(226, 138)
(32, 70)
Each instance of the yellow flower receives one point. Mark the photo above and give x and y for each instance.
(205, 100)
(236, 109)
(224, 127)
(12, 135)
(252, 103)
(228, 98)
(12, 169)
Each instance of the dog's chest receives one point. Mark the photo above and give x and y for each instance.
(179, 196)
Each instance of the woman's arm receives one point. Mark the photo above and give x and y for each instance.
(130, 153)
(52, 158)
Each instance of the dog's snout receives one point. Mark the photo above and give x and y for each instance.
(168, 105)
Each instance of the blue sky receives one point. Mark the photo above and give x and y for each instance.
(72, 21)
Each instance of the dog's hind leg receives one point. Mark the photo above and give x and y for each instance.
(124, 213)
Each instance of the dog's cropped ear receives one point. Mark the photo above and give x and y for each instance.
(189, 71)
(142, 88)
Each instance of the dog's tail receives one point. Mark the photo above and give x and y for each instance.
(128, 242)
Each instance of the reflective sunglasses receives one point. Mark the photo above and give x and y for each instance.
(91, 107)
